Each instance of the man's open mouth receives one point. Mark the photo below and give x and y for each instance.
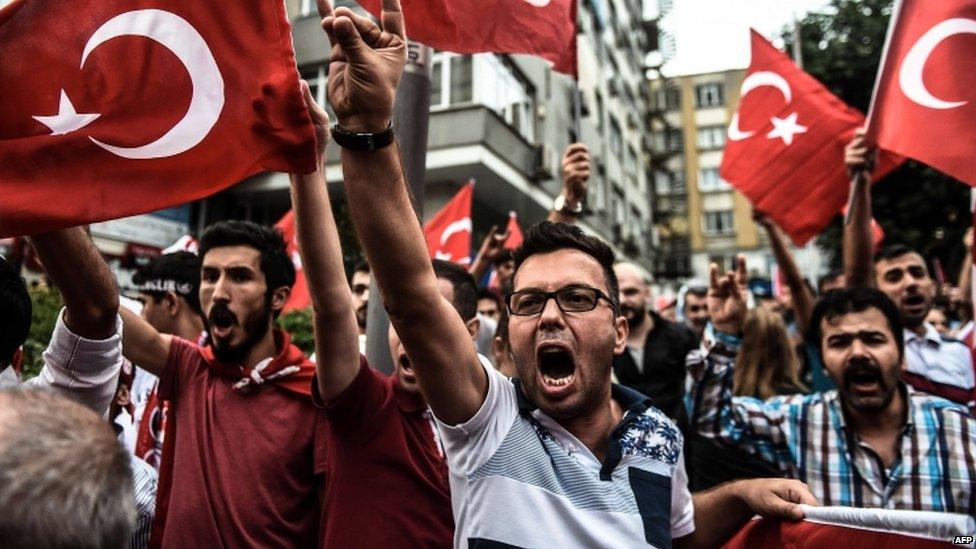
(221, 320)
(914, 301)
(404, 361)
(864, 380)
(556, 366)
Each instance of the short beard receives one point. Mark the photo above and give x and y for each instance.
(255, 327)
(637, 320)
(912, 322)
(362, 314)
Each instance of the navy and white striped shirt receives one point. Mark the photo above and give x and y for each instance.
(520, 479)
(806, 437)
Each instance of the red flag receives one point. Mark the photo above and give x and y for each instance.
(776, 533)
(515, 237)
(785, 148)
(924, 104)
(299, 298)
(130, 109)
(546, 28)
(877, 232)
(449, 231)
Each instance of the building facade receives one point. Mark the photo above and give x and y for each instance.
(700, 218)
(504, 121)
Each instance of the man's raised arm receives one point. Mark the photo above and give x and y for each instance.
(91, 297)
(365, 67)
(858, 246)
(334, 319)
(84, 356)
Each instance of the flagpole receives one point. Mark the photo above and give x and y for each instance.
(410, 120)
(895, 13)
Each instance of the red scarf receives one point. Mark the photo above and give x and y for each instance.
(290, 370)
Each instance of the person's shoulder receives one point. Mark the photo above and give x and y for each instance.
(652, 434)
(932, 403)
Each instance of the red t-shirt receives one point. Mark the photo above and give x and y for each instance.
(247, 467)
(388, 483)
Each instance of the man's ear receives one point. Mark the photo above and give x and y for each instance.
(473, 326)
(171, 304)
(279, 297)
(621, 330)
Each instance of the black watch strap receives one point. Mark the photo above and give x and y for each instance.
(361, 141)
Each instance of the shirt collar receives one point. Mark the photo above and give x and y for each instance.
(833, 401)
(931, 335)
(628, 399)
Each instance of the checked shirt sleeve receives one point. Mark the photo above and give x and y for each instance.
(756, 426)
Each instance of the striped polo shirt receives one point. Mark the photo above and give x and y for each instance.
(519, 479)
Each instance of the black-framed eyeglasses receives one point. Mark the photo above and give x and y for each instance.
(575, 299)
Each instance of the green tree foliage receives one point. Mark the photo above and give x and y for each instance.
(915, 205)
(46, 304)
(299, 324)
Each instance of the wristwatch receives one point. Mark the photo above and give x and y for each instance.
(362, 141)
(559, 205)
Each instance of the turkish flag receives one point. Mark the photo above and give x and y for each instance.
(515, 236)
(774, 533)
(785, 147)
(299, 298)
(856, 528)
(546, 28)
(924, 105)
(117, 107)
(448, 233)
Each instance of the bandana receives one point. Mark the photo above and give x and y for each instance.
(163, 285)
(290, 371)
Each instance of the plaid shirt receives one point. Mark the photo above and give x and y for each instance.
(805, 436)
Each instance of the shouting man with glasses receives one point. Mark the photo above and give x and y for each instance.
(558, 456)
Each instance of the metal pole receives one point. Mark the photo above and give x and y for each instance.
(410, 121)
(797, 43)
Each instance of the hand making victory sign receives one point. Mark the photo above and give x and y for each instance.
(365, 65)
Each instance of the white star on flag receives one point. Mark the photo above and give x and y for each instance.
(785, 128)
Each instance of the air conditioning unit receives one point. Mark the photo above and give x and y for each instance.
(545, 160)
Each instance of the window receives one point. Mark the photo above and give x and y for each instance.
(450, 79)
(711, 137)
(436, 83)
(600, 120)
(316, 78)
(669, 182)
(710, 181)
(631, 164)
(616, 138)
(500, 86)
(718, 223)
(486, 79)
(674, 140)
(709, 95)
(461, 77)
(307, 8)
(668, 99)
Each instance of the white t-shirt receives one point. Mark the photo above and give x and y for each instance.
(519, 478)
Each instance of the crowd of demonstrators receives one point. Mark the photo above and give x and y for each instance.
(654, 363)
(555, 406)
(935, 363)
(872, 442)
(544, 448)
